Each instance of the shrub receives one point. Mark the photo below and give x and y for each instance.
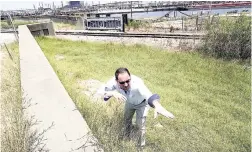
(134, 24)
(230, 38)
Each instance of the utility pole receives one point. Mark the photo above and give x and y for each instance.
(53, 6)
(131, 9)
(210, 7)
(16, 35)
(182, 23)
(99, 6)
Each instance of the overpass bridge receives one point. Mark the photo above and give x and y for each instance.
(137, 7)
(127, 7)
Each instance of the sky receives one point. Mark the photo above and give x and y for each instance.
(24, 4)
(14, 5)
(28, 4)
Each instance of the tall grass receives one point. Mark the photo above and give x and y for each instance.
(210, 98)
(11, 107)
(16, 133)
(64, 26)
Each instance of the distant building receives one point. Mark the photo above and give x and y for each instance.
(72, 4)
(75, 4)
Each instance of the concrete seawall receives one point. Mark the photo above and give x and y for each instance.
(50, 102)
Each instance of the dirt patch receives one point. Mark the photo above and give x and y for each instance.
(59, 57)
(7, 38)
(2, 56)
(92, 88)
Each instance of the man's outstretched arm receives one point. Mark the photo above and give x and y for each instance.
(153, 101)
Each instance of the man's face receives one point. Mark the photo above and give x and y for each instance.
(124, 81)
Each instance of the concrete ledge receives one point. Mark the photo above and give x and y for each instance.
(50, 102)
(41, 29)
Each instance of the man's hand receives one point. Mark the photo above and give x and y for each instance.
(119, 96)
(159, 109)
(115, 94)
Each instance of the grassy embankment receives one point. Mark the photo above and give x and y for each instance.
(210, 98)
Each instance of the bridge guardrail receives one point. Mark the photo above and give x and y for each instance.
(106, 23)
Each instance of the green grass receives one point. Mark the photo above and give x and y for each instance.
(210, 98)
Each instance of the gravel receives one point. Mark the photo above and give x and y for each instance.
(168, 44)
(6, 38)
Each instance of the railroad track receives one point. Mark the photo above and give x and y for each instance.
(140, 35)
(122, 34)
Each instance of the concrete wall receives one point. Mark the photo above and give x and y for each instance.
(50, 103)
(63, 19)
(41, 29)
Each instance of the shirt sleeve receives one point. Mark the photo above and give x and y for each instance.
(144, 91)
(109, 86)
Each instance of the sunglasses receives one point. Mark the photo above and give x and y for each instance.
(127, 81)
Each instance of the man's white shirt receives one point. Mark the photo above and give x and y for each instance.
(136, 93)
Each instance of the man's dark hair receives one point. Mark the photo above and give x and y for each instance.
(121, 70)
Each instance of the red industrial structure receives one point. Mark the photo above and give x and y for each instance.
(224, 4)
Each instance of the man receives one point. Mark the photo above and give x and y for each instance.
(137, 96)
